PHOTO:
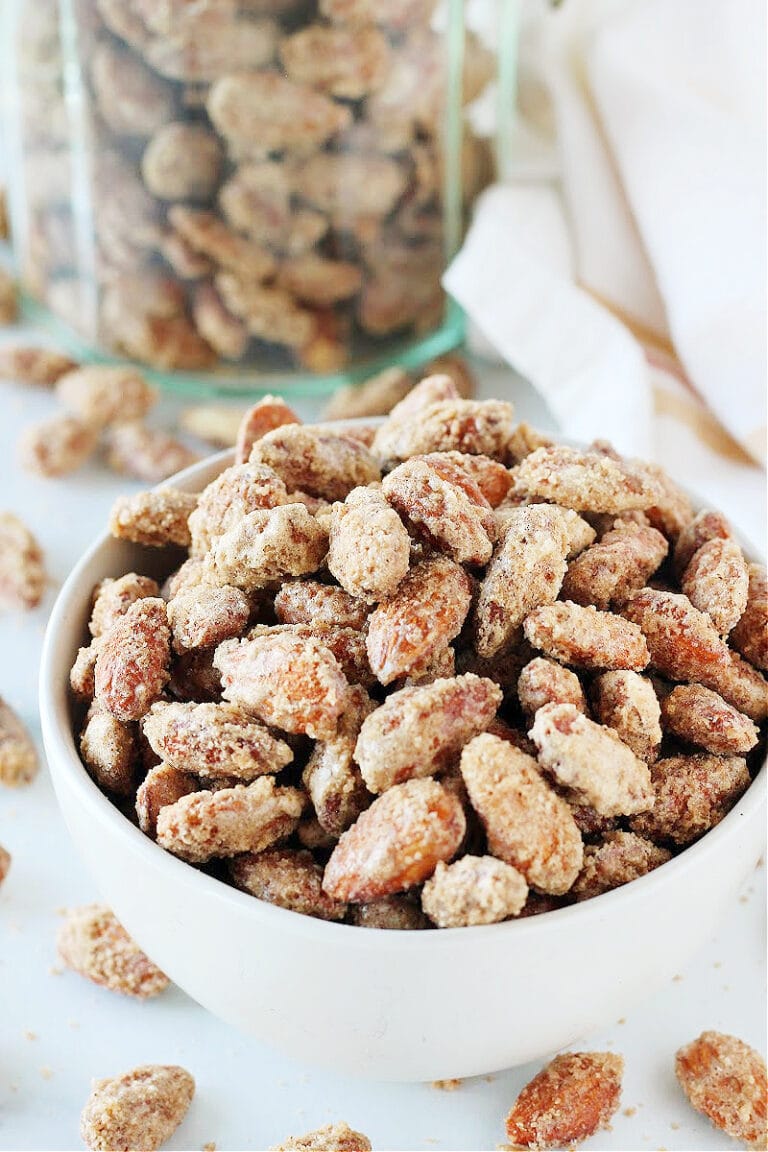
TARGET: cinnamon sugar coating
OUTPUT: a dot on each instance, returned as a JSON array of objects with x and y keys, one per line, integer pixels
[
  {"x": 109, "y": 751},
  {"x": 318, "y": 462},
  {"x": 163, "y": 785},
  {"x": 490, "y": 476},
  {"x": 140, "y": 1109},
  {"x": 331, "y": 1138},
  {"x": 716, "y": 581},
  {"x": 473, "y": 890},
  {"x": 310, "y": 602},
  {"x": 692, "y": 795},
  {"x": 524, "y": 440},
  {"x": 214, "y": 740},
  {"x": 155, "y": 518},
  {"x": 672, "y": 512},
  {"x": 289, "y": 878},
  {"x": 421, "y": 731},
  {"x": 423, "y": 616},
  {"x": 627, "y": 703},
  {"x": 397, "y": 913},
  {"x": 527, "y": 824},
  {"x": 266, "y": 415},
  {"x": 246, "y": 818},
  {"x": 591, "y": 761},
  {"x": 571, "y": 1099},
  {"x": 241, "y": 489},
  {"x": 725, "y": 1080},
  {"x": 445, "y": 507},
  {"x": 699, "y": 716},
  {"x": 607, "y": 573},
  {"x": 526, "y": 571},
  {"x": 290, "y": 681},
  {"x": 101, "y": 394},
  {"x": 369, "y": 548},
  {"x": 202, "y": 617},
  {"x": 113, "y": 598},
  {"x": 91, "y": 941},
  {"x": 132, "y": 662},
  {"x": 83, "y": 671},
  {"x": 396, "y": 843},
  {"x": 585, "y": 481},
  {"x": 585, "y": 637},
  {"x": 18, "y": 755},
  {"x": 346, "y": 644},
  {"x": 477, "y": 427},
  {"x": 332, "y": 775},
  {"x": 22, "y": 570},
  {"x": 619, "y": 858},
  {"x": 705, "y": 525},
  {"x": 266, "y": 546},
  {"x": 544, "y": 682},
  {"x": 750, "y": 636},
  {"x": 57, "y": 446}
]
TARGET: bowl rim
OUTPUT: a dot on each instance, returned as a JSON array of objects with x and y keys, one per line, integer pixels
[{"x": 61, "y": 751}]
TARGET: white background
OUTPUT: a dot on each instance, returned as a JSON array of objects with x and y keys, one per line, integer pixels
[{"x": 57, "y": 1031}]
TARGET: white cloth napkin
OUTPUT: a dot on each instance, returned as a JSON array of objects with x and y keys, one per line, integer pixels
[{"x": 646, "y": 202}]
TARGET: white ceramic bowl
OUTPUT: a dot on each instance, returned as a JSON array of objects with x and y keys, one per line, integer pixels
[{"x": 390, "y": 1005}]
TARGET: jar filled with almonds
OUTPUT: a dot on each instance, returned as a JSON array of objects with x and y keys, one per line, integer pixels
[{"x": 252, "y": 188}]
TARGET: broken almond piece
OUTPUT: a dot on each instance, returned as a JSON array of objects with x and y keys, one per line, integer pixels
[{"x": 91, "y": 941}]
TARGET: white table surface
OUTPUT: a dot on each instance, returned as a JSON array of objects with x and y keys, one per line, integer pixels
[{"x": 57, "y": 1031}]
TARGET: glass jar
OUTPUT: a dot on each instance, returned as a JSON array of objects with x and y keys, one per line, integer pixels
[{"x": 249, "y": 194}]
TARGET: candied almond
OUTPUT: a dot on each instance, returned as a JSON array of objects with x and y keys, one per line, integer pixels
[
  {"x": 672, "y": 512},
  {"x": 22, "y": 571},
  {"x": 571, "y": 1099},
  {"x": 397, "y": 913},
  {"x": 476, "y": 427},
  {"x": 91, "y": 941},
  {"x": 309, "y": 602},
  {"x": 396, "y": 843},
  {"x": 425, "y": 613},
  {"x": 527, "y": 824},
  {"x": 332, "y": 1138},
  {"x": 332, "y": 776},
  {"x": 40, "y": 366},
  {"x": 369, "y": 548},
  {"x": 347, "y": 63},
  {"x": 18, "y": 755},
  {"x": 290, "y": 681},
  {"x": 146, "y": 453},
  {"x": 132, "y": 662},
  {"x": 585, "y": 481},
  {"x": 444, "y": 505},
  {"x": 374, "y": 397},
  {"x": 692, "y": 795},
  {"x": 208, "y": 235},
  {"x": 473, "y": 890},
  {"x": 725, "y": 1080},
  {"x": 585, "y": 637},
  {"x": 153, "y": 518},
  {"x": 267, "y": 545},
  {"x": 591, "y": 761},
  {"x": 82, "y": 673},
  {"x": 716, "y": 581},
  {"x": 241, "y": 489},
  {"x": 162, "y": 785},
  {"x": 109, "y": 752},
  {"x": 194, "y": 678},
  {"x": 619, "y": 858},
  {"x": 140, "y": 1109},
  {"x": 750, "y": 636},
  {"x": 526, "y": 571},
  {"x": 699, "y": 716},
  {"x": 346, "y": 644},
  {"x": 57, "y": 446},
  {"x": 607, "y": 573},
  {"x": 626, "y": 702},
  {"x": 421, "y": 731},
  {"x": 319, "y": 281},
  {"x": 437, "y": 666},
  {"x": 315, "y": 461},
  {"x": 202, "y": 617},
  {"x": 216, "y": 424},
  {"x": 227, "y": 822},
  {"x": 289, "y": 878},
  {"x": 544, "y": 682},
  {"x": 214, "y": 740},
  {"x": 706, "y": 525},
  {"x": 269, "y": 413},
  {"x": 524, "y": 439},
  {"x": 100, "y": 394}
]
